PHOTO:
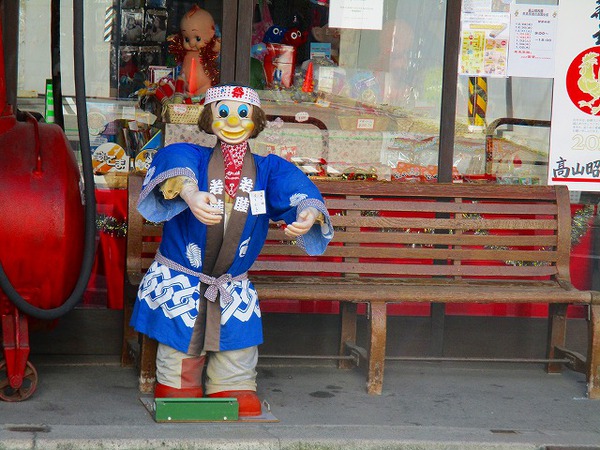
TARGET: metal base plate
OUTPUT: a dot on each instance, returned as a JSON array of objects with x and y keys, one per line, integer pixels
[{"x": 150, "y": 405}]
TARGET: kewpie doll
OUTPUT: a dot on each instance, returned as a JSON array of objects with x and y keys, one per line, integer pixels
[
  {"x": 196, "y": 299},
  {"x": 197, "y": 48}
]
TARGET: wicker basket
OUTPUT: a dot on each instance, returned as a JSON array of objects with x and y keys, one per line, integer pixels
[{"x": 182, "y": 113}]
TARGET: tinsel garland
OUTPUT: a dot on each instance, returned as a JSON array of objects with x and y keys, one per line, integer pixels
[
  {"x": 579, "y": 226},
  {"x": 580, "y": 223},
  {"x": 111, "y": 225}
]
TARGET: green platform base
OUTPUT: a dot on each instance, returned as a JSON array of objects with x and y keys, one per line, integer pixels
[{"x": 177, "y": 410}]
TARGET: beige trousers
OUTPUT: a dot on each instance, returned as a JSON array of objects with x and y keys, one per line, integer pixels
[{"x": 231, "y": 370}]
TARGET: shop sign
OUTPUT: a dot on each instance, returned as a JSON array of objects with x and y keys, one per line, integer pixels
[{"x": 574, "y": 158}]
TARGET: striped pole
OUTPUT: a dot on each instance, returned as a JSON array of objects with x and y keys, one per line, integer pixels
[
  {"x": 109, "y": 22},
  {"x": 477, "y": 102},
  {"x": 49, "y": 105}
]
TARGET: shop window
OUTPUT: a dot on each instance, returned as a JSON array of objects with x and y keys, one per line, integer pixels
[{"x": 376, "y": 86}]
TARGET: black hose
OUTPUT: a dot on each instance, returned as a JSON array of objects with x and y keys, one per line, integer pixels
[
  {"x": 59, "y": 118},
  {"x": 90, "y": 199}
]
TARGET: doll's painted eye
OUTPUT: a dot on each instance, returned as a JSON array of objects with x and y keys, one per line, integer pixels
[
  {"x": 223, "y": 111},
  {"x": 243, "y": 111},
  {"x": 187, "y": 39},
  {"x": 198, "y": 39}
]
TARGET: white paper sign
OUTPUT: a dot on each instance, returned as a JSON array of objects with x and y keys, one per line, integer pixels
[
  {"x": 574, "y": 157},
  {"x": 356, "y": 14},
  {"x": 532, "y": 40},
  {"x": 258, "y": 203}
]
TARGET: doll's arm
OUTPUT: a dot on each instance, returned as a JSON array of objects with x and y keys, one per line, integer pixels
[
  {"x": 201, "y": 203},
  {"x": 306, "y": 219}
]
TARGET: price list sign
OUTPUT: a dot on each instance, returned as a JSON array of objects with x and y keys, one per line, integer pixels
[{"x": 532, "y": 40}]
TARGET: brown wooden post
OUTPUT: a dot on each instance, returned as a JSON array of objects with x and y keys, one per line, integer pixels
[
  {"x": 557, "y": 333},
  {"x": 348, "y": 332},
  {"x": 377, "y": 332},
  {"x": 593, "y": 357}
]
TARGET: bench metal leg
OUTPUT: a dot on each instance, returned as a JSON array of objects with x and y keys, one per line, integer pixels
[
  {"x": 348, "y": 332},
  {"x": 594, "y": 353},
  {"x": 377, "y": 344},
  {"x": 557, "y": 334}
]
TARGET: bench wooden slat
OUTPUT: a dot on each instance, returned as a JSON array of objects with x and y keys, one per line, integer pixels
[
  {"x": 512, "y": 240},
  {"x": 150, "y": 247},
  {"x": 437, "y": 190},
  {"x": 530, "y": 285},
  {"x": 433, "y": 293},
  {"x": 417, "y": 253},
  {"x": 151, "y": 230},
  {"x": 444, "y": 224},
  {"x": 443, "y": 207},
  {"x": 405, "y": 269}
]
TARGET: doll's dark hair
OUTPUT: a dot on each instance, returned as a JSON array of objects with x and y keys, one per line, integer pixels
[{"x": 258, "y": 117}]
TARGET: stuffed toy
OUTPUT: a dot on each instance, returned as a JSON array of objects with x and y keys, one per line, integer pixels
[
  {"x": 294, "y": 37},
  {"x": 196, "y": 299},
  {"x": 196, "y": 48},
  {"x": 274, "y": 35}
]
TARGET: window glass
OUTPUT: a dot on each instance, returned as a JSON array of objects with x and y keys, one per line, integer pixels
[
  {"x": 346, "y": 100},
  {"x": 127, "y": 50}
]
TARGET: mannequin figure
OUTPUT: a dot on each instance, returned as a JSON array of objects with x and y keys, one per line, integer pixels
[{"x": 196, "y": 299}]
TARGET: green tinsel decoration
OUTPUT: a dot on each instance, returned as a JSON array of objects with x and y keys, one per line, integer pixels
[
  {"x": 580, "y": 223},
  {"x": 111, "y": 225}
]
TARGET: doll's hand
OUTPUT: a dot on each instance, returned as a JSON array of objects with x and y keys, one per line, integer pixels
[
  {"x": 304, "y": 222},
  {"x": 201, "y": 204}
]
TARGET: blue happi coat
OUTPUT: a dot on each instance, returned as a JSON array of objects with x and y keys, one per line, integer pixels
[{"x": 169, "y": 299}]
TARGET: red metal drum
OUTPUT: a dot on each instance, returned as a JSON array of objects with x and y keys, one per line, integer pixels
[{"x": 41, "y": 211}]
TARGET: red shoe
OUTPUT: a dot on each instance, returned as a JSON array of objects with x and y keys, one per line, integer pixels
[
  {"x": 164, "y": 391},
  {"x": 248, "y": 401}
]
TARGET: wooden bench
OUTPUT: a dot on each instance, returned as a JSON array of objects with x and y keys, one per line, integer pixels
[{"x": 405, "y": 242}]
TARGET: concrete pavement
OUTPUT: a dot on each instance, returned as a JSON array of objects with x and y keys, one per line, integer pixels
[{"x": 93, "y": 403}]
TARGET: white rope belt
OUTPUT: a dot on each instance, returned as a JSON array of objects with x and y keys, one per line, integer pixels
[{"x": 215, "y": 285}]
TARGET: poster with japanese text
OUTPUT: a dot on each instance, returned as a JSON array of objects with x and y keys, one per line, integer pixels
[
  {"x": 574, "y": 157},
  {"x": 532, "y": 40}
]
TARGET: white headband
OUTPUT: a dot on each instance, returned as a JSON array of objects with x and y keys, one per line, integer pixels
[{"x": 232, "y": 92}]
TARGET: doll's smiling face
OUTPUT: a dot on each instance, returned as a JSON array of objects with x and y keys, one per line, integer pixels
[{"x": 232, "y": 121}]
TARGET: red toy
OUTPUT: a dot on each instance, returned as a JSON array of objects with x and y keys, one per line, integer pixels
[{"x": 294, "y": 37}]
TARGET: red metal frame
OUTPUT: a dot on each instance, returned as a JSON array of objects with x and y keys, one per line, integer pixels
[{"x": 15, "y": 342}]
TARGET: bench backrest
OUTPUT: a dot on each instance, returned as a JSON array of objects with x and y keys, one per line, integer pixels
[{"x": 386, "y": 229}]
